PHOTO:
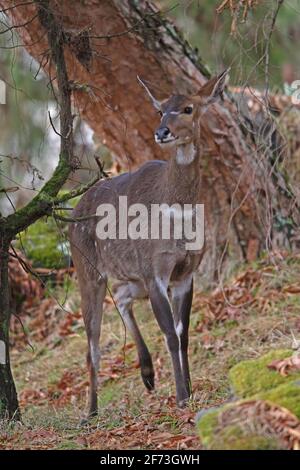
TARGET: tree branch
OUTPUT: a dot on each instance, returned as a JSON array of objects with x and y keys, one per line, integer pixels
[{"x": 43, "y": 203}]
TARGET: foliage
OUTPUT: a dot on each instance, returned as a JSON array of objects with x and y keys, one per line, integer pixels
[
  {"x": 46, "y": 243},
  {"x": 209, "y": 32}
]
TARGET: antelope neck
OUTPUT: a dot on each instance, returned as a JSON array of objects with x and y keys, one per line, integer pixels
[
  {"x": 183, "y": 175},
  {"x": 185, "y": 154}
]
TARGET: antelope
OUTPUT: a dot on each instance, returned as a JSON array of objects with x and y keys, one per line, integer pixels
[{"x": 159, "y": 269}]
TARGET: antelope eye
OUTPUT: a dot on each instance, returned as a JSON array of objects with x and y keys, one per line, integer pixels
[
  {"x": 188, "y": 110},
  {"x": 160, "y": 113}
]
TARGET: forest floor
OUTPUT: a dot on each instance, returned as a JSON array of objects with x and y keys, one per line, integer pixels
[{"x": 255, "y": 311}]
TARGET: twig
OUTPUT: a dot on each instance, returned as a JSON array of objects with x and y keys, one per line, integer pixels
[
  {"x": 16, "y": 6},
  {"x": 10, "y": 28},
  {"x": 129, "y": 30},
  {"x": 73, "y": 219},
  {"x": 12, "y": 189},
  {"x": 267, "y": 48},
  {"x": 76, "y": 192}
]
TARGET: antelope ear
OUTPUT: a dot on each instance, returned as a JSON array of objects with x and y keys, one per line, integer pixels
[
  {"x": 214, "y": 88},
  {"x": 155, "y": 102}
]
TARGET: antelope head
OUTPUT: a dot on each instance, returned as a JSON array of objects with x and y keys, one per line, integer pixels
[{"x": 180, "y": 113}]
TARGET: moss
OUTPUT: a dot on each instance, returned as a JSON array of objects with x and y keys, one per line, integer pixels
[
  {"x": 252, "y": 380},
  {"x": 45, "y": 242},
  {"x": 44, "y": 245},
  {"x": 207, "y": 424},
  {"x": 252, "y": 377},
  {"x": 233, "y": 438},
  {"x": 286, "y": 395}
]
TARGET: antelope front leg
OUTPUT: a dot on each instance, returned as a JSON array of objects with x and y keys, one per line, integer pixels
[
  {"x": 163, "y": 313},
  {"x": 182, "y": 296}
]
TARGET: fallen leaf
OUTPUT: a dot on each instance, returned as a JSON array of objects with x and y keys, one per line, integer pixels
[{"x": 285, "y": 366}]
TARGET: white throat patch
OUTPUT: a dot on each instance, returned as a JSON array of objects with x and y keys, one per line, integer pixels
[{"x": 185, "y": 154}]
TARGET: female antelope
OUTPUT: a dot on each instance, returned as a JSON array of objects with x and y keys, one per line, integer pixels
[{"x": 155, "y": 267}]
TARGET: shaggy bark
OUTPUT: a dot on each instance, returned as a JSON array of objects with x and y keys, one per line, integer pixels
[{"x": 109, "y": 44}]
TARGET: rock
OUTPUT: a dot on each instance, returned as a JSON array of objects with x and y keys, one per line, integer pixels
[
  {"x": 252, "y": 377},
  {"x": 267, "y": 414}
]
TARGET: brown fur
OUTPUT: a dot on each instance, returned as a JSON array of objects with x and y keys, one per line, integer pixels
[{"x": 145, "y": 267}]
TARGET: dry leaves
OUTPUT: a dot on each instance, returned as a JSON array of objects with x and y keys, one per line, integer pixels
[
  {"x": 251, "y": 288},
  {"x": 151, "y": 430},
  {"x": 264, "y": 418},
  {"x": 286, "y": 366},
  {"x": 24, "y": 288},
  {"x": 39, "y": 315},
  {"x": 229, "y": 302},
  {"x": 239, "y": 10}
]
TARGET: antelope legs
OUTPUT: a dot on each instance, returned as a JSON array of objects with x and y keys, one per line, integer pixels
[
  {"x": 182, "y": 296},
  {"x": 124, "y": 296},
  {"x": 92, "y": 310},
  {"x": 163, "y": 313}
]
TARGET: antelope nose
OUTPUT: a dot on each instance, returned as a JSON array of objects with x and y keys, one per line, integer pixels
[{"x": 162, "y": 133}]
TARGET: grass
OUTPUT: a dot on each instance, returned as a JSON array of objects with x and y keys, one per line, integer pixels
[{"x": 52, "y": 381}]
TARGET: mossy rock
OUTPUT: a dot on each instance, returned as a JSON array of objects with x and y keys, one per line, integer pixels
[
  {"x": 231, "y": 437},
  {"x": 251, "y": 380},
  {"x": 207, "y": 422},
  {"x": 286, "y": 395},
  {"x": 252, "y": 377}
]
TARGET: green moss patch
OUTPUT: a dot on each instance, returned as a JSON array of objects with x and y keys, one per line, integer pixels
[
  {"x": 207, "y": 425},
  {"x": 286, "y": 395},
  {"x": 252, "y": 377},
  {"x": 233, "y": 437},
  {"x": 251, "y": 380},
  {"x": 45, "y": 244}
]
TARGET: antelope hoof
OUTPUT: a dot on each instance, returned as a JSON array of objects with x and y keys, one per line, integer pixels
[
  {"x": 183, "y": 403},
  {"x": 148, "y": 378},
  {"x": 83, "y": 422},
  {"x": 86, "y": 419}
]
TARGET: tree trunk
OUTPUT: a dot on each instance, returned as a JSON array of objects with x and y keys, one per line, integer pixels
[
  {"x": 44, "y": 203},
  {"x": 9, "y": 407},
  {"x": 110, "y": 42}
]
